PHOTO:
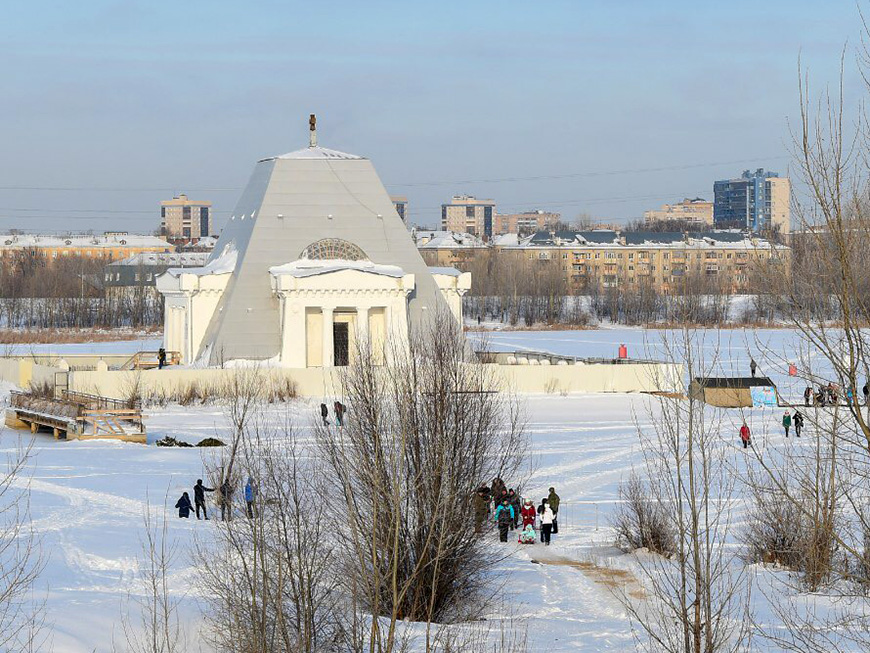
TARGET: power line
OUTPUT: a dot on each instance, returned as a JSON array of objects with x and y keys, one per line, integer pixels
[{"x": 573, "y": 175}]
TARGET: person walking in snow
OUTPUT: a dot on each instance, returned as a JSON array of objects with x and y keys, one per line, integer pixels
[
  {"x": 798, "y": 423},
  {"x": 199, "y": 491},
  {"x": 227, "y": 499},
  {"x": 808, "y": 395},
  {"x": 504, "y": 517},
  {"x": 161, "y": 358},
  {"x": 514, "y": 498},
  {"x": 528, "y": 513},
  {"x": 338, "y": 409},
  {"x": 547, "y": 519},
  {"x": 786, "y": 422},
  {"x": 184, "y": 507},
  {"x": 324, "y": 413},
  {"x": 250, "y": 496},
  {"x": 553, "y": 502},
  {"x": 752, "y": 366},
  {"x": 866, "y": 391},
  {"x": 480, "y": 503},
  {"x": 745, "y": 435},
  {"x": 541, "y": 513},
  {"x": 498, "y": 488}
]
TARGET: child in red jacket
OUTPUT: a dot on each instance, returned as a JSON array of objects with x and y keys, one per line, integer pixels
[
  {"x": 745, "y": 435},
  {"x": 528, "y": 513}
]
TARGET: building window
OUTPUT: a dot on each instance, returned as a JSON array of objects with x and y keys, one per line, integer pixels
[
  {"x": 203, "y": 221},
  {"x": 136, "y": 277},
  {"x": 469, "y": 211},
  {"x": 163, "y": 212},
  {"x": 185, "y": 232},
  {"x": 332, "y": 249},
  {"x": 149, "y": 276},
  {"x": 185, "y": 212}
]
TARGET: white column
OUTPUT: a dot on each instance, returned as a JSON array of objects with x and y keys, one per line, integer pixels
[
  {"x": 362, "y": 326},
  {"x": 328, "y": 347}
]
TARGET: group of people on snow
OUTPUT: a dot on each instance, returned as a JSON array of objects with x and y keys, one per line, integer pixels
[
  {"x": 511, "y": 512},
  {"x": 338, "y": 409},
  {"x": 225, "y": 491}
]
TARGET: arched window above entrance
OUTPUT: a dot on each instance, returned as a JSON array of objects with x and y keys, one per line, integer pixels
[{"x": 333, "y": 248}]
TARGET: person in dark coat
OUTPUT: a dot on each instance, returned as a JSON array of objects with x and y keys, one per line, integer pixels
[
  {"x": 480, "y": 504},
  {"x": 227, "y": 500},
  {"x": 514, "y": 498},
  {"x": 752, "y": 367},
  {"x": 161, "y": 358},
  {"x": 324, "y": 413},
  {"x": 798, "y": 422},
  {"x": 553, "y": 502},
  {"x": 786, "y": 422},
  {"x": 866, "y": 391},
  {"x": 338, "y": 409},
  {"x": 184, "y": 507},
  {"x": 199, "y": 491},
  {"x": 498, "y": 487},
  {"x": 808, "y": 395},
  {"x": 504, "y": 517},
  {"x": 250, "y": 496}
]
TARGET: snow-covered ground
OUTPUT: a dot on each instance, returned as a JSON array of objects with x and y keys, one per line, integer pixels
[{"x": 88, "y": 499}]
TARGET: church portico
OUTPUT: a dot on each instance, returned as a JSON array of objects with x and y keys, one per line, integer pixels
[{"x": 328, "y": 308}]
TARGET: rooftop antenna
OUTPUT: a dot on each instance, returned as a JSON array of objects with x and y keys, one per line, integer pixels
[{"x": 312, "y": 126}]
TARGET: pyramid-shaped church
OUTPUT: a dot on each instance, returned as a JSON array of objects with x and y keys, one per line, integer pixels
[{"x": 313, "y": 259}]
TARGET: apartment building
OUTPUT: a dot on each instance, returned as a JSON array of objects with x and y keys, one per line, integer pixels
[
  {"x": 448, "y": 248},
  {"x": 526, "y": 223},
  {"x": 466, "y": 213},
  {"x": 400, "y": 202},
  {"x": 667, "y": 262},
  {"x": 759, "y": 201},
  {"x": 182, "y": 218},
  {"x": 111, "y": 246},
  {"x": 695, "y": 211}
]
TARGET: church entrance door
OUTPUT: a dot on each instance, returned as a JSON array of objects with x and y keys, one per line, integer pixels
[{"x": 340, "y": 343}]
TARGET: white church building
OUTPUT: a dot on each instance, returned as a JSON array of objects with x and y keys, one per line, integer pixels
[{"x": 313, "y": 260}]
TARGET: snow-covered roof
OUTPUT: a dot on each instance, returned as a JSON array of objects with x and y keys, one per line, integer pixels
[
  {"x": 450, "y": 272},
  {"x": 206, "y": 242},
  {"x": 309, "y": 268},
  {"x": 448, "y": 239},
  {"x": 223, "y": 264},
  {"x": 316, "y": 153},
  {"x": 82, "y": 240},
  {"x": 184, "y": 259}
]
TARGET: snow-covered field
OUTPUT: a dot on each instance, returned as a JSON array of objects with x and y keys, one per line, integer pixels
[{"x": 88, "y": 499}]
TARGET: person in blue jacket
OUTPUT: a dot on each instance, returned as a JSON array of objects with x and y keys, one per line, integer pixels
[
  {"x": 504, "y": 517},
  {"x": 250, "y": 496},
  {"x": 184, "y": 506}
]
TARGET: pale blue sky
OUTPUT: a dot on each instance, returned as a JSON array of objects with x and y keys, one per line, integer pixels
[{"x": 151, "y": 97}]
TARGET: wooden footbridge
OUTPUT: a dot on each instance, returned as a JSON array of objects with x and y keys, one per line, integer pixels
[{"x": 77, "y": 416}]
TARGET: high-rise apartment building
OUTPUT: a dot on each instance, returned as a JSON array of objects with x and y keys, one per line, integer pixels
[
  {"x": 758, "y": 201},
  {"x": 401, "y": 204},
  {"x": 695, "y": 211},
  {"x": 468, "y": 214},
  {"x": 184, "y": 218}
]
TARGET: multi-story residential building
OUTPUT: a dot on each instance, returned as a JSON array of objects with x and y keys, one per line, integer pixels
[
  {"x": 696, "y": 211},
  {"x": 448, "y": 248},
  {"x": 666, "y": 262},
  {"x": 182, "y": 218},
  {"x": 759, "y": 201},
  {"x": 111, "y": 246},
  {"x": 525, "y": 223},
  {"x": 401, "y": 204},
  {"x": 468, "y": 214},
  {"x": 141, "y": 271}
]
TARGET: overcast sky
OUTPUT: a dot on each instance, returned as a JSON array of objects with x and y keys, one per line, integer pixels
[{"x": 109, "y": 107}]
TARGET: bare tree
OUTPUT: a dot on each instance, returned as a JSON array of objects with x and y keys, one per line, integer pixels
[
  {"x": 422, "y": 433},
  {"x": 159, "y": 629},
  {"x": 698, "y": 590},
  {"x": 21, "y": 557}
]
